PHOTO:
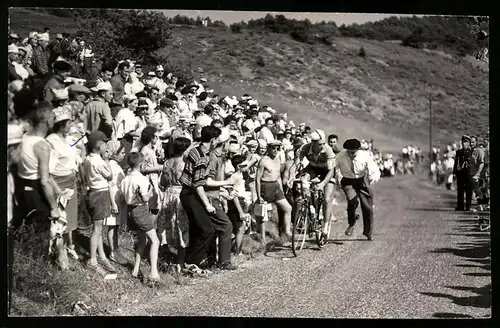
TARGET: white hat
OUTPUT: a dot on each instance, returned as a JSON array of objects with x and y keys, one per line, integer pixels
[
  {"x": 302, "y": 124},
  {"x": 43, "y": 37},
  {"x": 262, "y": 143},
  {"x": 318, "y": 135},
  {"x": 13, "y": 49},
  {"x": 224, "y": 136},
  {"x": 60, "y": 94},
  {"x": 274, "y": 143},
  {"x": 159, "y": 68},
  {"x": 102, "y": 86},
  {"x": 15, "y": 134},
  {"x": 203, "y": 79},
  {"x": 33, "y": 35},
  {"x": 151, "y": 73},
  {"x": 61, "y": 114}
]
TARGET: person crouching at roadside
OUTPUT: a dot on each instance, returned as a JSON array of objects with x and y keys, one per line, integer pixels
[{"x": 137, "y": 191}]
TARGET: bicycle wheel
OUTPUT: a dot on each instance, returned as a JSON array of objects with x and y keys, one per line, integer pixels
[
  {"x": 300, "y": 227},
  {"x": 319, "y": 219}
]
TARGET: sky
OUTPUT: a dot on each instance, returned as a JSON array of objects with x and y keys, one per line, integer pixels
[{"x": 230, "y": 17}]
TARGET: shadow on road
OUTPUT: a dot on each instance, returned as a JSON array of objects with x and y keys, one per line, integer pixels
[
  {"x": 475, "y": 249},
  {"x": 481, "y": 300},
  {"x": 432, "y": 209},
  {"x": 450, "y": 315}
]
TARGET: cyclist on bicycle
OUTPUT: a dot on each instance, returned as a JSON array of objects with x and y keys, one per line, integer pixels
[{"x": 322, "y": 166}]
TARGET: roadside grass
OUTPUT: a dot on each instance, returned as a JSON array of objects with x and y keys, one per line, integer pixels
[{"x": 40, "y": 289}]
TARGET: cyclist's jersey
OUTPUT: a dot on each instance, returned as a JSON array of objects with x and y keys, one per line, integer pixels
[{"x": 325, "y": 160}]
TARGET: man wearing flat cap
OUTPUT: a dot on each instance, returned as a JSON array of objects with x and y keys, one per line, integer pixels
[
  {"x": 358, "y": 171},
  {"x": 461, "y": 171}
]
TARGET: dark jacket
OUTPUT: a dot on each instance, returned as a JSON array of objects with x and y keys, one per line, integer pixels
[{"x": 462, "y": 161}]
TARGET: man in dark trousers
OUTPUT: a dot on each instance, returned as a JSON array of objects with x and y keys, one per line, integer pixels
[
  {"x": 195, "y": 201},
  {"x": 461, "y": 172},
  {"x": 358, "y": 171}
]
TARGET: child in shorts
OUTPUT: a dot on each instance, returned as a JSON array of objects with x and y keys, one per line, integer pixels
[
  {"x": 118, "y": 215},
  {"x": 137, "y": 191},
  {"x": 97, "y": 174},
  {"x": 238, "y": 206}
]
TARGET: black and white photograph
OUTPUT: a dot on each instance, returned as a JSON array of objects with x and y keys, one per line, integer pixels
[{"x": 247, "y": 164}]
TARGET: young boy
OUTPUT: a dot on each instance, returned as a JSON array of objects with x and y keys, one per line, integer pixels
[
  {"x": 97, "y": 174},
  {"x": 137, "y": 191},
  {"x": 238, "y": 206},
  {"x": 118, "y": 207}
]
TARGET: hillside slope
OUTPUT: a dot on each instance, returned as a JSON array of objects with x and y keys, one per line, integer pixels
[{"x": 384, "y": 94}]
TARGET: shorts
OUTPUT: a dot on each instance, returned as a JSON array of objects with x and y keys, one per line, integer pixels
[
  {"x": 317, "y": 172},
  {"x": 140, "y": 218},
  {"x": 271, "y": 191},
  {"x": 98, "y": 204}
]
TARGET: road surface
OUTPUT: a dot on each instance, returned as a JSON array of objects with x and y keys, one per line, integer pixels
[{"x": 426, "y": 261}]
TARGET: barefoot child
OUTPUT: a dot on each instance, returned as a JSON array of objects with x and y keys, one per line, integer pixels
[
  {"x": 118, "y": 207},
  {"x": 97, "y": 174},
  {"x": 137, "y": 191}
]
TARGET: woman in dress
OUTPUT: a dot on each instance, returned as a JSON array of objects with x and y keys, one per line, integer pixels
[
  {"x": 65, "y": 170},
  {"x": 172, "y": 220}
]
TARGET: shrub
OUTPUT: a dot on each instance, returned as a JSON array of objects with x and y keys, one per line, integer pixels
[
  {"x": 119, "y": 34},
  {"x": 260, "y": 61},
  {"x": 235, "y": 28},
  {"x": 362, "y": 52}
]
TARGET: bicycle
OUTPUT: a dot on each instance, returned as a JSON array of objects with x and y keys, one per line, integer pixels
[{"x": 308, "y": 218}]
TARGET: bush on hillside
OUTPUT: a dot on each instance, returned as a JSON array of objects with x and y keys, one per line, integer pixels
[
  {"x": 119, "y": 34},
  {"x": 235, "y": 28},
  {"x": 362, "y": 52}
]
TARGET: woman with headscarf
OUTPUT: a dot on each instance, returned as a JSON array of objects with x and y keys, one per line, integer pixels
[
  {"x": 65, "y": 170},
  {"x": 172, "y": 220}
]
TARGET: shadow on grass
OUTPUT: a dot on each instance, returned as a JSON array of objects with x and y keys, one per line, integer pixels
[{"x": 433, "y": 209}]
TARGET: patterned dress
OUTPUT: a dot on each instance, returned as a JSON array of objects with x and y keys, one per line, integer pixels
[{"x": 172, "y": 220}]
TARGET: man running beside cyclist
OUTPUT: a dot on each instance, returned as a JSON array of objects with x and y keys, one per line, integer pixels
[{"x": 321, "y": 165}]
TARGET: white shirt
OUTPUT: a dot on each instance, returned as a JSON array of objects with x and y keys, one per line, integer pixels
[
  {"x": 266, "y": 134},
  {"x": 204, "y": 120},
  {"x": 130, "y": 184},
  {"x": 66, "y": 156},
  {"x": 95, "y": 168},
  {"x": 125, "y": 122},
  {"x": 360, "y": 166},
  {"x": 133, "y": 88}
]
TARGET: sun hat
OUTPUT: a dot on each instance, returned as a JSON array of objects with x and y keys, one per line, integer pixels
[
  {"x": 223, "y": 137},
  {"x": 159, "y": 68},
  {"x": 59, "y": 36},
  {"x": 43, "y": 37},
  {"x": 274, "y": 143},
  {"x": 60, "y": 94},
  {"x": 252, "y": 143},
  {"x": 15, "y": 134},
  {"x": 13, "y": 49},
  {"x": 61, "y": 114},
  {"x": 102, "y": 86},
  {"x": 318, "y": 135}
]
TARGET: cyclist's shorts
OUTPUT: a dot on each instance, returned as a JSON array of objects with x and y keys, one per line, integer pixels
[{"x": 317, "y": 172}]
